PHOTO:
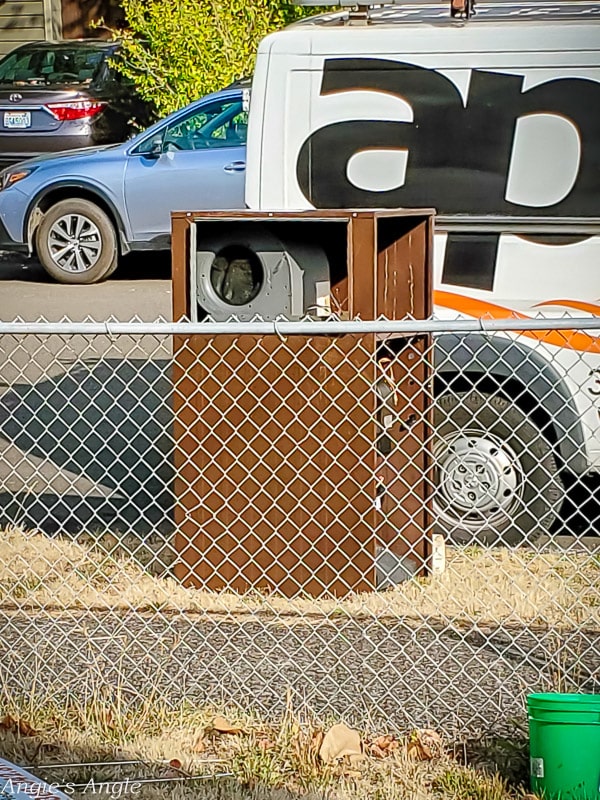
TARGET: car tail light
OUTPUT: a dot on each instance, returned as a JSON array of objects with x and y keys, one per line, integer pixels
[{"x": 78, "y": 109}]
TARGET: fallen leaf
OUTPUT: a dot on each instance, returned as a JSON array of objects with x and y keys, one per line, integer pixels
[
  {"x": 387, "y": 742},
  {"x": 25, "y": 729},
  {"x": 382, "y": 746},
  {"x": 425, "y": 745},
  {"x": 316, "y": 741},
  {"x": 266, "y": 744},
  {"x": 378, "y": 752},
  {"x": 18, "y": 726},
  {"x": 221, "y": 725},
  {"x": 199, "y": 745},
  {"x": 340, "y": 741}
]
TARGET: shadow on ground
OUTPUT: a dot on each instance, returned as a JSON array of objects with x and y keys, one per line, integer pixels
[
  {"x": 91, "y": 448},
  {"x": 91, "y": 771},
  {"x": 146, "y": 266}
]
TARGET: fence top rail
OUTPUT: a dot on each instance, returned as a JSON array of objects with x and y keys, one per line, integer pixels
[{"x": 302, "y": 327}]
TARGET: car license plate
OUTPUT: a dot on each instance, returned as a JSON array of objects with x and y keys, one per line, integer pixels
[{"x": 17, "y": 119}]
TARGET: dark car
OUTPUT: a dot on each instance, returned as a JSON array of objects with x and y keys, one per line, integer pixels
[{"x": 62, "y": 96}]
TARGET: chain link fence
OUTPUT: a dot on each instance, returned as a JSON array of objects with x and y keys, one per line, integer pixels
[{"x": 394, "y": 523}]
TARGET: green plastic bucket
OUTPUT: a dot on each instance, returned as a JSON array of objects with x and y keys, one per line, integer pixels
[{"x": 564, "y": 745}]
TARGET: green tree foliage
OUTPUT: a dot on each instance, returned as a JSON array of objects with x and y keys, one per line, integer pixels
[{"x": 178, "y": 50}]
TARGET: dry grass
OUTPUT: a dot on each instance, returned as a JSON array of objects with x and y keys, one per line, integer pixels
[
  {"x": 550, "y": 588},
  {"x": 266, "y": 760}
]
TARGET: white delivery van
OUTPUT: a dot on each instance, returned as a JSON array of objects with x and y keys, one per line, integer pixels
[{"x": 495, "y": 122}]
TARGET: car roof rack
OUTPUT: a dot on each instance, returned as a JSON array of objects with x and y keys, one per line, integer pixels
[{"x": 360, "y": 11}]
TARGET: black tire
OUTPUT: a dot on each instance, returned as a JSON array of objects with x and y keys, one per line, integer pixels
[
  {"x": 93, "y": 252},
  {"x": 111, "y": 270},
  {"x": 496, "y": 475}
]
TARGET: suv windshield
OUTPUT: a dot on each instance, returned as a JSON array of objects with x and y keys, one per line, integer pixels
[{"x": 51, "y": 66}]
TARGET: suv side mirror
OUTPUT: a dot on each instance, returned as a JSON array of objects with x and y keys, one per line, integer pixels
[{"x": 156, "y": 149}]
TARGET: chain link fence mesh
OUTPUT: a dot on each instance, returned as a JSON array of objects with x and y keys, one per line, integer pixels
[{"x": 392, "y": 529}]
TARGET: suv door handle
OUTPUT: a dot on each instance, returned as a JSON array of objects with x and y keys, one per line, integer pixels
[{"x": 235, "y": 166}]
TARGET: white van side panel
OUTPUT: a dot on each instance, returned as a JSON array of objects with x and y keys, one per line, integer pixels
[
  {"x": 272, "y": 181},
  {"x": 519, "y": 274}
]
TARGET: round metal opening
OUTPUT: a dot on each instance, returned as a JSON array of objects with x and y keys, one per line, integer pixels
[{"x": 236, "y": 275}]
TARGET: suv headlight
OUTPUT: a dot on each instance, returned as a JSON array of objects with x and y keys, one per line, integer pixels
[{"x": 12, "y": 175}]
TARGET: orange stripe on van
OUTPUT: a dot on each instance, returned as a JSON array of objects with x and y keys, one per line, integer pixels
[
  {"x": 571, "y": 339},
  {"x": 579, "y": 305}
]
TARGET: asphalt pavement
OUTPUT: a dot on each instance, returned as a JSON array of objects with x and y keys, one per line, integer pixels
[
  {"x": 54, "y": 472},
  {"x": 132, "y": 373},
  {"x": 367, "y": 671},
  {"x": 141, "y": 287}
]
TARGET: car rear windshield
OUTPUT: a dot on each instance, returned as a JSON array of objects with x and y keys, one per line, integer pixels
[{"x": 51, "y": 67}]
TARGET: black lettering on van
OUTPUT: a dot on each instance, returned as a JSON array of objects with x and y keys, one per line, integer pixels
[{"x": 458, "y": 156}]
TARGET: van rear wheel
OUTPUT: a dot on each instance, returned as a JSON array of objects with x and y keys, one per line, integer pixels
[
  {"x": 76, "y": 242},
  {"x": 496, "y": 475}
]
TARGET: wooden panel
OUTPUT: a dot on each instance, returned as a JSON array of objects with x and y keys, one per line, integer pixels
[
  {"x": 24, "y": 23},
  {"x": 21, "y": 22},
  {"x": 361, "y": 272},
  {"x": 404, "y": 276},
  {"x": 28, "y": 9},
  {"x": 180, "y": 260},
  {"x": 404, "y": 268},
  {"x": 406, "y": 470},
  {"x": 276, "y": 440},
  {"x": 13, "y": 35},
  {"x": 280, "y": 465}
]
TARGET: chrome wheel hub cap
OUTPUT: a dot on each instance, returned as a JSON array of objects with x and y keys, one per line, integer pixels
[
  {"x": 479, "y": 480},
  {"x": 74, "y": 243}
]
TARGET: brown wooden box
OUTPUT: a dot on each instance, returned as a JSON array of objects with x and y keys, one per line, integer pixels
[{"x": 276, "y": 456}]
